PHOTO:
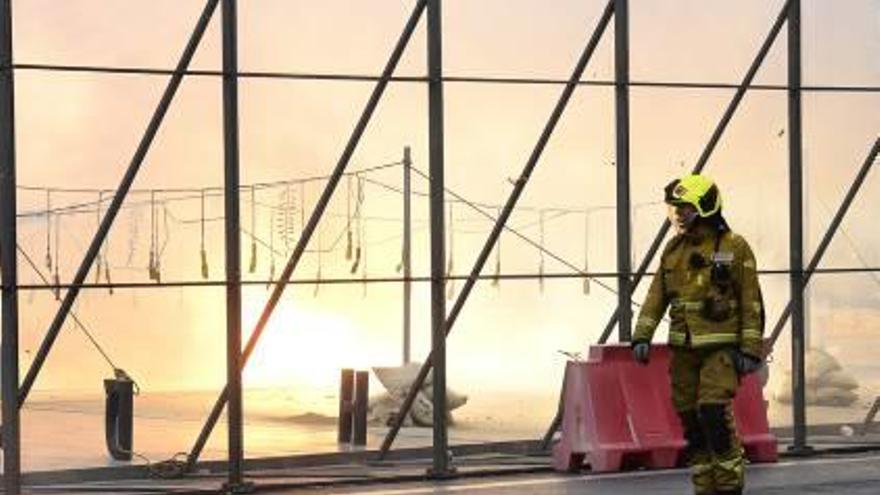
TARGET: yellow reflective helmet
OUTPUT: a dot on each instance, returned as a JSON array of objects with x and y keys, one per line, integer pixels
[{"x": 696, "y": 190}]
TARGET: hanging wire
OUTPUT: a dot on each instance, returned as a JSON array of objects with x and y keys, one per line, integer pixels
[
  {"x": 586, "y": 282},
  {"x": 106, "y": 257},
  {"x": 541, "y": 251},
  {"x": 160, "y": 247},
  {"x": 362, "y": 245},
  {"x": 358, "y": 226},
  {"x": 217, "y": 191},
  {"x": 320, "y": 262},
  {"x": 49, "y": 230},
  {"x": 363, "y": 224},
  {"x": 151, "y": 263},
  {"x": 154, "y": 239},
  {"x": 450, "y": 282},
  {"x": 272, "y": 218},
  {"x": 288, "y": 229},
  {"x": 253, "y": 264},
  {"x": 57, "y": 274},
  {"x": 98, "y": 258},
  {"x": 134, "y": 233},
  {"x": 302, "y": 206},
  {"x": 496, "y": 277},
  {"x": 204, "y": 254},
  {"x": 107, "y": 276},
  {"x": 348, "y": 234}
]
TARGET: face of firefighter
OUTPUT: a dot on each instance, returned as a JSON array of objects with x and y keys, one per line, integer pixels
[{"x": 682, "y": 217}]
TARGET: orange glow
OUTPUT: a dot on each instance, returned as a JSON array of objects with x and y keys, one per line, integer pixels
[{"x": 301, "y": 347}]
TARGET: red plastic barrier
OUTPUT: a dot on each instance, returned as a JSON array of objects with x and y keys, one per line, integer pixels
[{"x": 619, "y": 414}]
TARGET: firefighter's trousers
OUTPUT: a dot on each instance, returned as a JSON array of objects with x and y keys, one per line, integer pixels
[{"x": 704, "y": 382}]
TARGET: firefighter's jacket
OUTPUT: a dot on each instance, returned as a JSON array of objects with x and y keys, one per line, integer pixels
[{"x": 705, "y": 309}]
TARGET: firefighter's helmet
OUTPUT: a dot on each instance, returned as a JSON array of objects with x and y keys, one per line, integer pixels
[{"x": 696, "y": 190}]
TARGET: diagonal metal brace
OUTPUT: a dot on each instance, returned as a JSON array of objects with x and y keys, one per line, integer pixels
[{"x": 118, "y": 198}]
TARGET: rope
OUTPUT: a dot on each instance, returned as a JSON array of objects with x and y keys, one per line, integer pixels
[{"x": 174, "y": 467}]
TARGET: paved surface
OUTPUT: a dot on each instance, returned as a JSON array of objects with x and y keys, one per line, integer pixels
[
  {"x": 851, "y": 475},
  {"x": 854, "y": 474}
]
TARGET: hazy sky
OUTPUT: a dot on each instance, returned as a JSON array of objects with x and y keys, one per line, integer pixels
[{"x": 80, "y": 130}]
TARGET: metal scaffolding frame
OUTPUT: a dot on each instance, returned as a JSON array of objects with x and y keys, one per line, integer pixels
[{"x": 14, "y": 395}]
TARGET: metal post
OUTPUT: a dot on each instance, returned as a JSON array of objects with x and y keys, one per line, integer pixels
[
  {"x": 506, "y": 211},
  {"x": 118, "y": 198},
  {"x": 346, "y": 396},
  {"x": 440, "y": 467},
  {"x": 359, "y": 405},
  {"x": 829, "y": 234},
  {"x": 621, "y": 91},
  {"x": 704, "y": 157},
  {"x": 312, "y": 223},
  {"x": 8, "y": 261},
  {"x": 119, "y": 417},
  {"x": 407, "y": 255},
  {"x": 796, "y": 225},
  {"x": 233, "y": 244}
]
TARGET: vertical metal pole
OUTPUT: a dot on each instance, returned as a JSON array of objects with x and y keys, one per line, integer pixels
[
  {"x": 621, "y": 90},
  {"x": 440, "y": 466},
  {"x": 233, "y": 242},
  {"x": 359, "y": 408},
  {"x": 503, "y": 216},
  {"x": 796, "y": 247},
  {"x": 407, "y": 258},
  {"x": 346, "y": 396},
  {"x": 8, "y": 261}
]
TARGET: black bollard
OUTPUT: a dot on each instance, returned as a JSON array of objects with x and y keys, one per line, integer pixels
[
  {"x": 346, "y": 392},
  {"x": 119, "y": 416},
  {"x": 361, "y": 399}
]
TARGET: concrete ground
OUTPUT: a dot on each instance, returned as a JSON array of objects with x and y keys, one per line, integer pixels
[
  {"x": 851, "y": 475},
  {"x": 854, "y": 473}
]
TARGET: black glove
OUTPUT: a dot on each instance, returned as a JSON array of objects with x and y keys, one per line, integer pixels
[
  {"x": 746, "y": 363},
  {"x": 641, "y": 352}
]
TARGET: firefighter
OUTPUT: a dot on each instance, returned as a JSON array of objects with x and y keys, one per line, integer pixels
[{"x": 707, "y": 278}]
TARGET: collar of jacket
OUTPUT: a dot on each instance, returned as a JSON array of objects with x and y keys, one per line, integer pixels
[{"x": 698, "y": 233}]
